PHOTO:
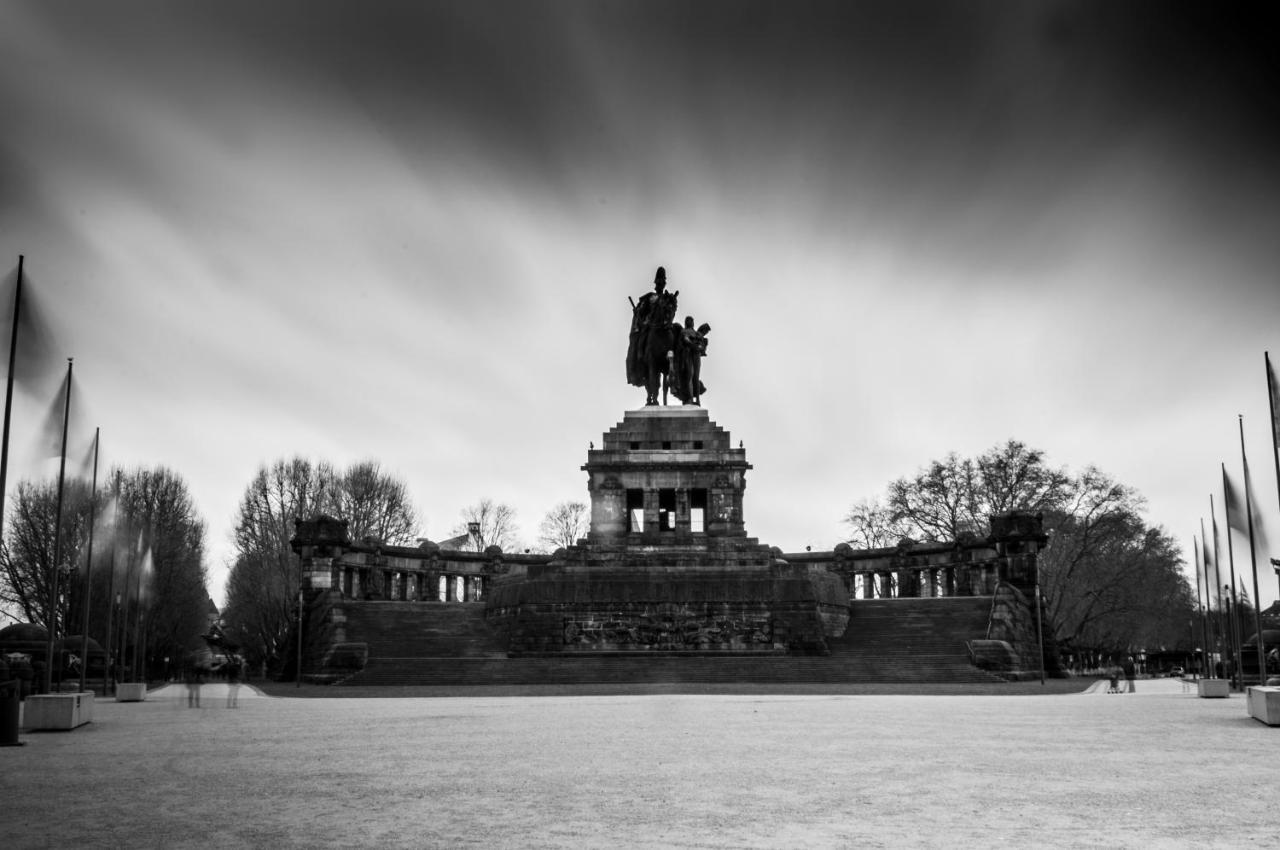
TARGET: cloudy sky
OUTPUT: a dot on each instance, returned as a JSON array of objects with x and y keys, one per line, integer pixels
[{"x": 407, "y": 231}]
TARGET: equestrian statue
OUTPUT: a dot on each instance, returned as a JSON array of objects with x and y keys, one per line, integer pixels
[{"x": 660, "y": 351}]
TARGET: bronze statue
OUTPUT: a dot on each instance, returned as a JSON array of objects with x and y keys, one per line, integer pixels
[
  {"x": 652, "y": 345},
  {"x": 691, "y": 347}
]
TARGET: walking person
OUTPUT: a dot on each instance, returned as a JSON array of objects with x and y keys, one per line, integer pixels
[
  {"x": 195, "y": 678},
  {"x": 233, "y": 682},
  {"x": 1129, "y": 672}
]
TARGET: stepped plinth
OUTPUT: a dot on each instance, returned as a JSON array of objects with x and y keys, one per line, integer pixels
[{"x": 667, "y": 566}]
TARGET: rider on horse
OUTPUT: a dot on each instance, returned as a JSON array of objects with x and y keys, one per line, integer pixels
[{"x": 656, "y": 311}]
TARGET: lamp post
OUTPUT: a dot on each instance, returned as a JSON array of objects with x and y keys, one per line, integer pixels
[{"x": 299, "y": 677}]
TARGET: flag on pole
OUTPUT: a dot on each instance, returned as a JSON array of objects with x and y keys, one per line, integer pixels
[
  {"x": 144, "y": 578},
  {"x": 1213, "y": 582},
  {"x": 35, "y": 358},
  {"x": 1238, "y": 512},
  {"x": 51, "y": 425}
]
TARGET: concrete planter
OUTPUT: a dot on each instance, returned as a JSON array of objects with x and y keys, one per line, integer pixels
[
  {"x": 58, "y": 711},
  {"x": 131, "y": 691},
  {"x": 1264, "y": 704},
  {"x": 1214, "y": 688}
]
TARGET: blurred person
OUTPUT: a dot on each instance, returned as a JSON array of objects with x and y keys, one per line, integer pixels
[{"x": 233, "y": 682}]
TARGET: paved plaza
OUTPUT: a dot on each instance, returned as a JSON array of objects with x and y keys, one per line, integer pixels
[{"x": 1160, "y": 768}]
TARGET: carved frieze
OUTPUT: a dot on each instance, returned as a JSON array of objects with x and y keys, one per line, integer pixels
[{"x": 667, "y": 632}]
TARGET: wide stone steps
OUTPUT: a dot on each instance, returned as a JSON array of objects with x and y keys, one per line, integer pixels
[
  {"x": 660, "y": 670},
  {"x": 888, "y": 640},
  {"x": 416, "y": 629}
]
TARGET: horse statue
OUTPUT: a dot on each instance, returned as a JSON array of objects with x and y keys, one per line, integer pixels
[{"x": 657, "y": 347}]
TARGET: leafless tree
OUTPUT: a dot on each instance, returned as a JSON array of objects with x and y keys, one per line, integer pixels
[
  {"x": 564, "y": 525},
  {"x": 871, "y": 525},
  {"x": 265, "y": 576},
  {"x": 374, "y": 504},
  {"x": 156, "y": 511},
  {"x": 26, "y": 558},
  {"x": 1108, "y": 579},
  {"x": 494, "y": 523}
]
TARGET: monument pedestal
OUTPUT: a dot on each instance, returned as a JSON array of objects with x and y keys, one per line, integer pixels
[
  {"x": 667, "y": 567},
  {"x": 770, "y": 609}
]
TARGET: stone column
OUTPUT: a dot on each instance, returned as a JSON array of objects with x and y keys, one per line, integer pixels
[
  {"x": 608, "y": 508},
  {"x": 682, "y": 512},
  {"x": 651, "y": 511}
]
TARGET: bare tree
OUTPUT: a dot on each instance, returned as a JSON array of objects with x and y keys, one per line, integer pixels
[
  {"x": 266, "y": 575},
  {"x": 156, "y": 509},
  {"x": 374, "y": 504},
  {"x": 263, "y": 585},
  {"x": 564, "y": 525},
  {"x": 26, "y": 558},
  {"x": 489, "y": 524},
  {"x": 871, "y": 525},
  {"x": 955, "y": 495},
  {"x": 1109, "y": 580}
]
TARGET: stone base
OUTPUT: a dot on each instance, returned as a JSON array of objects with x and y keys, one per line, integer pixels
[
  {"x": 131, "y": 691},
  {"x": 1264, "y": 704},
  {"x": 57, "y": 711},
  {"x": 746, "y": 610},
  {"x": 1214, "y": 688}
]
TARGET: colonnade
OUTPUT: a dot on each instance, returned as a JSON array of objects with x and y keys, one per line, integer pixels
[
  {"x": 409, "y": 585},
  {"x": 925, "y": 582}
]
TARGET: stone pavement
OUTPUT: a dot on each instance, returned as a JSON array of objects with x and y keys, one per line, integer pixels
[{"x": 1161, "y": 768}]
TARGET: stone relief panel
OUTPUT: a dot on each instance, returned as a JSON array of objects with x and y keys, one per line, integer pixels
[{"x": 667, "y": 631}]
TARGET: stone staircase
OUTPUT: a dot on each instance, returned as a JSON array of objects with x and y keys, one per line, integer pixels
[
  {"x": 888, "y": 640},
  {"x": 422, "y": 629},
  {"x": 914, "y": 640}
]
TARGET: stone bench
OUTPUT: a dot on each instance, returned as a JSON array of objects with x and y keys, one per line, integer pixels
[
  {"x": 1264, "y": 704},
  {"x": 1212, "y": 688},
  {"x": 57, "y": 711},
  {"x": 131, "y": 691}
]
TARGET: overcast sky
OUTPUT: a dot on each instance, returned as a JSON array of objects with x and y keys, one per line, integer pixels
[{"x": 408, "y": 231}]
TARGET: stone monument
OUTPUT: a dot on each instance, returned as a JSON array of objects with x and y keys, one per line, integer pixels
[{"x": 668, "y": 571}]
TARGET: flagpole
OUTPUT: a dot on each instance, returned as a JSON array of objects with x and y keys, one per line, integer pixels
[
  {"x": 1275, "y": 440},
  {"x": 57, "y": 539},
  {"x": 1253, "y": 558},
  {"x": 8, "y": 394},
  {"x": 1232, "y": 599},
  {"x": 137, "y": 626},
  {"x": 111, "y": 586},
  {"x": 1197, "y": 546},
  {"x": 88, "y": 566},
  {"x": 1208, "y": 599},
  {"x": 124, "y": 610},
  {"x": 1217, "y": 580}
]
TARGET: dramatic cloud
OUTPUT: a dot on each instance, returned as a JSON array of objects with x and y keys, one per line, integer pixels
[{"x": 408, "y": 231}]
